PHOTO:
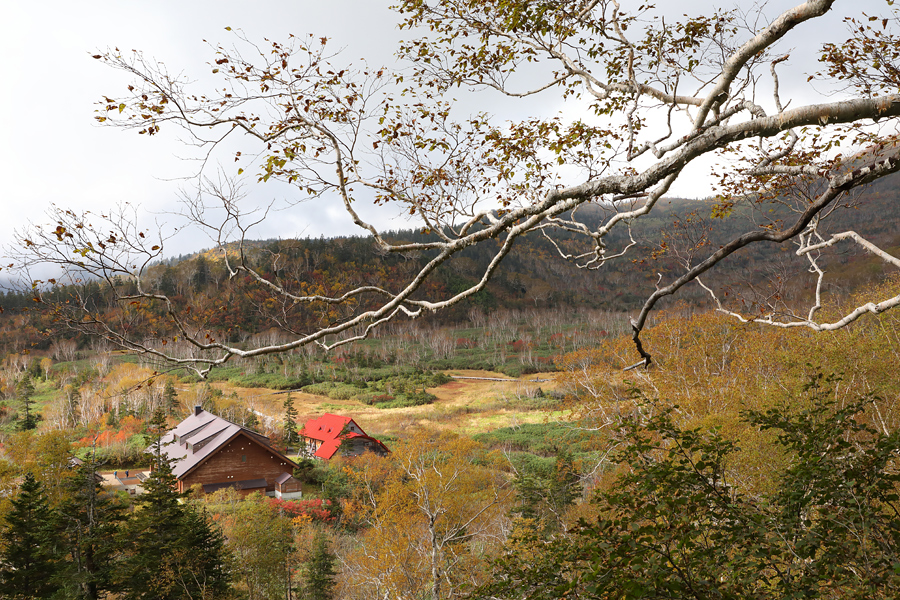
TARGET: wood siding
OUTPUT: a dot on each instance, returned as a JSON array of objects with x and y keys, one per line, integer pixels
[
  {"x": 239, "y": 460},
  {"x": 290, "y": 486}
]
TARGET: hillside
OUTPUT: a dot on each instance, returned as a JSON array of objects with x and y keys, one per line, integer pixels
[{"x": 534, "y": 275}]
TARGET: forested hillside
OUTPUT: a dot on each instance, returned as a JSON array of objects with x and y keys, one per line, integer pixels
[
  {"x": 534, "y": 275},
  {"x": 726, "y": 436},
  {"x": 533, "y": 471}
]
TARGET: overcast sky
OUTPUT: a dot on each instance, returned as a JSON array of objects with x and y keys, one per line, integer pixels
[{"x": 51, "y": 150}]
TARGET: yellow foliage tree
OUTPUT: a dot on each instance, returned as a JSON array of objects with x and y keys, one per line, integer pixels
[{"x": 434, "y": 518}]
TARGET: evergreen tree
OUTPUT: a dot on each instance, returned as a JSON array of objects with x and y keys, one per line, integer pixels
[
  {"x": 89, "y": 518},
  {"x": 24, "y": 391},
  {"x": 201, "y": 277},
  {"x": 156, "y": 428},
  {"x": 29, "y": 558},
  {"x": 290, "y": 421},
  {"x": 319, "y": 581},
  {"x": 73, "y": 400},
  {"x": 565, "y": 486},
  {"x": 170, "y": 398},
  {"x": 545, "y": 496},
  {"x": 170, "y": 550}
]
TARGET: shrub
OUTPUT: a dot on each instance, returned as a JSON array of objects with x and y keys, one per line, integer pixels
[{"x": 318, "y": 510}]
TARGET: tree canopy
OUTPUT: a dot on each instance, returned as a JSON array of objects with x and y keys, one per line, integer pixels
[
  {"x": 677, "y": 525},
  {"x": 651, "y": 97}
]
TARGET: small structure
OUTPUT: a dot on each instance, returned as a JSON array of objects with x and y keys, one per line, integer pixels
[
  {"x": 208, "y": 450},
  {"x": 287, "y": 487},
  {"x": 132, "y": 482},
  {"x": 325, "y": 435}
]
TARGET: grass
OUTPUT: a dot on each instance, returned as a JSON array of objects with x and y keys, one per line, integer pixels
[{"x": 386, "y": 395}]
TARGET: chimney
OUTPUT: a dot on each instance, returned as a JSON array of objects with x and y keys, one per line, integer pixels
[{"x": 198, "y": 409}]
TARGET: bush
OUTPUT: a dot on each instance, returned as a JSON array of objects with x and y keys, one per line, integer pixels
[
  {"x": 335, "y": 391},
  {"x": 541, "y": 438},
  {"x": 418, "y": 398},
  {"x": 674, "y": 525}
]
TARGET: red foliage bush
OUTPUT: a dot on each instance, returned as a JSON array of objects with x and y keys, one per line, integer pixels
[
  {"x": 317, "y": 510},
  {"x": 466, "y": 343}
]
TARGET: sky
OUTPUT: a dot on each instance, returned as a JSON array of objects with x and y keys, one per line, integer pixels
[{"x": 52, "y": 150}]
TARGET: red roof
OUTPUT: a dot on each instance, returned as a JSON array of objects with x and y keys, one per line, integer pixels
[{"x": 329, "y": 428}]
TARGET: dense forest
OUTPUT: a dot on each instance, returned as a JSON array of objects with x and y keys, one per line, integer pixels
[{"x": 533, "y": 276}]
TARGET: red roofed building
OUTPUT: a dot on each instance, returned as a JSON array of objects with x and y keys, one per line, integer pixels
[
  {"x": 323, "y": 437},
  {"x": 208, "y": 450}
]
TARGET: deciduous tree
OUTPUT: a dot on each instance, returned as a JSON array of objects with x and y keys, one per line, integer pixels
[
  {"x": 678, "y": 524},
  {"x": 432, "y": 517},
  {"x": 261, "y": 541}
]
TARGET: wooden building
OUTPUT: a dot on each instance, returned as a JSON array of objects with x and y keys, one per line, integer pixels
[
  {"x": 325, "y": 435},
  {"x": 208, "y": 450}
]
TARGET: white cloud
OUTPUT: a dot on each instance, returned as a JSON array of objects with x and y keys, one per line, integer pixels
[{"x": 51, "y": 151}]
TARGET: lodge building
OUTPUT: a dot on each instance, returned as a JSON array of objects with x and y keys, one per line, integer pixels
[
  {"x": 323, "y": 437},
  {"x": 208, "y": 450}
]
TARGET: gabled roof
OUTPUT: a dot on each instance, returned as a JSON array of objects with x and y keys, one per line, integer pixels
[
  {"x": 283, "y": 478},
  {"x": 329, "y": 428},
  {"x": 200, "y": 436}
]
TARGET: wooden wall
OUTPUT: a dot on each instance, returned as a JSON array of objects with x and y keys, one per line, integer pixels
[{"x": 239, "y": 460}]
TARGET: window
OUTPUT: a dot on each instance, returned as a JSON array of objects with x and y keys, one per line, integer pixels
[{"x": 243, "y": 458}]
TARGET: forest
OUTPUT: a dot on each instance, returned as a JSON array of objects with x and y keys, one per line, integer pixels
[{"x": 588, "y": 387}]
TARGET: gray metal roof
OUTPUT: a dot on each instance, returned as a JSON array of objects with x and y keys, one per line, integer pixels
[
  {"x": 199, "y": 436},
  {"x": 284, "y": 477}
]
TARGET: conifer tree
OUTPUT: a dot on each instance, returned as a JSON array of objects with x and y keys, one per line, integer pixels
[
  {"x": 29, "y": 558},
  {"x": 89, "y": 518},
  {"x": 290, "y": 421},
  {"x": 546, "y": 496},
  {"x": 170, "y": 397},
  {"x": 320, "y": 572},
  {"x": 24, "y": 391},
  {"x": 171, "y": 550}
]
